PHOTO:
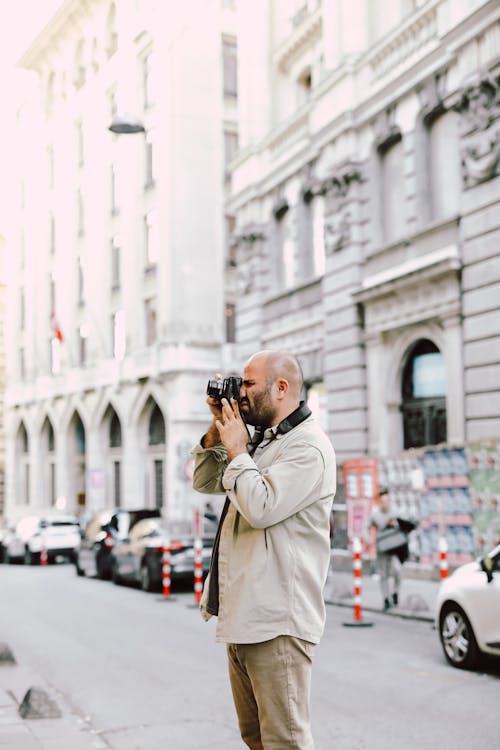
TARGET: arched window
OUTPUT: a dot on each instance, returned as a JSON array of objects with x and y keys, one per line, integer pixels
[
  {"x": 79, "y": 436},
  {"x": 115, "y": 432},
  {"x": 424, "y": 396},
  {"x": 23, "y": 439},
  {"x": 50, "y": 437},
  {"x": 156, "y": 427}
]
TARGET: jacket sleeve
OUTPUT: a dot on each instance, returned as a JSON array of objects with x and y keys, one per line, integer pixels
[
  {"x": 268, "y": 496},
  {"x": 209, "y": 467}
]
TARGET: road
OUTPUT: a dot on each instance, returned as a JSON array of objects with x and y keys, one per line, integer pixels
[{"x": 146, "y": 674}]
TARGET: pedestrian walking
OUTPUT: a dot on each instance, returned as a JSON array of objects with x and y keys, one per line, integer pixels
[
  {"x": 389, "y": 558},
  {"x": 272, "y": 550}
]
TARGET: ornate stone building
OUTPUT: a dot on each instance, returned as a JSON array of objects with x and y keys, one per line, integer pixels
[
  {"x": 116, "y": 286},
  {"x": 366, "y": 197}
]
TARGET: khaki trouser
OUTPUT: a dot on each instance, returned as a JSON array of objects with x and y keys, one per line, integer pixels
[{"x": 271, "y": 690}]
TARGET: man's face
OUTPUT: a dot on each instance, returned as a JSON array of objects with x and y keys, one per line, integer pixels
[{"x": 257, "y": 404}]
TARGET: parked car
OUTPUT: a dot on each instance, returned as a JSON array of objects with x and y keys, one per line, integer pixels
[
  {"x": 57, "y": 534},
  {"x": 139, "y": 558},
  {"x": 468, "y": 611},
  {"x": 106, "y": 528}
]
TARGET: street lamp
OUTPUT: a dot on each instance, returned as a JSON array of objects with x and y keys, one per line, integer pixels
[{"x": 126, "y": 124}]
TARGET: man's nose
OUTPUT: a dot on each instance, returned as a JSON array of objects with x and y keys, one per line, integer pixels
[{"x": 243, "y": 392}]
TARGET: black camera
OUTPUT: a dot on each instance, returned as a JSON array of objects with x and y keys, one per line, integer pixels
[{"x": 228, "y": 388}]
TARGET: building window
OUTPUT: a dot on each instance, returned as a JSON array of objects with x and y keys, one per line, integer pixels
[
  {"x": 151, "y": 323},
  {"x": 444, "y": 166},
  {"x": 230, "y": 61},
  {"x": 117, "y": 495},
  {"x": 149, "y": 160},
  {"x": 52, "y": 234},
  {"x": 158, "y": 478},
  {"x": 118, "y": 334},
  {"x": 80, "y": 144},
  {"x": 52, "y": 295},
  {"x": 113, "y": 191},
  {"x": 52, "y": 480},
  {"x": 393, "y": 191},
  {"x": 230, "y": 313},
  {"x": 230, "y": 146},
  {"x": 424, "y": 386},
  {"x": 80, "y": 212},
  {"x": 115, "y": 431},
  {"x": 82, "y": 345},
  {"x": 151, "y": 239},
  {"x": 50, "y": 165},
  {"x": 50, "y": 438},
  {"x": 80, "y": 288},
  {"x": 22, "y": 309},
  {"x": 156, "y": 427},
  {"x": 79, "y": 436},
  {"x": 304, "y": 86},
  {"x": 115, "y": 262},
  {"x": 148, "y": 80},
  {"x": 22, "y": 363}
]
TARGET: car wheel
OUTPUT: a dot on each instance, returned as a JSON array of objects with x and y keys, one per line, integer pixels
[
  {"x": 79, "y": 571},
  {"x": 457, "y": 637},
  {"x": 146, "y": 582},
  {"x": 101, "y": 568},
  {"x": 29, "y": 557},
  {"x": 115, "y": 575}
]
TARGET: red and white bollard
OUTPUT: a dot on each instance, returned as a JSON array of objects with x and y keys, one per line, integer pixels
[
  {"x": 198, "y": 569},
  {"x": 358, "y": 571},
  {"x": 443, "y": 557},
  {"x": 165, "y": 568},
  {"x": 43, "y": 556}
]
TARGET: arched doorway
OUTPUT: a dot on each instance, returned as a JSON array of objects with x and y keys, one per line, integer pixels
[
  {"x": 115, "y": 455},
  {"x": 49, "y": 462},
  {"x": 155, "y": 475},
  {"x": 77, "y": 461},
  {"x": 23, "y": 465},
  {"x": 424, "y": 385}
]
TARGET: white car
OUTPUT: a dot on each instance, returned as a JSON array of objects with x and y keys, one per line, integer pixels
[
  {"x": 468, "y": 611},
  {"x": 57, "y": 535}
]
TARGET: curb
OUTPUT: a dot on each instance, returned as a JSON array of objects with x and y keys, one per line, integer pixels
[{"x": 402, "y": 614}]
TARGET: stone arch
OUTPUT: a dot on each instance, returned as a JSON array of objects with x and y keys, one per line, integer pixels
[
  {"x": 152, "y": 439},
  {"x": 111, "y": 442},
  {"x": 22, "y": 464},
  {"x": 48, "y": 463},
  {"x": 76, "y": 438}
]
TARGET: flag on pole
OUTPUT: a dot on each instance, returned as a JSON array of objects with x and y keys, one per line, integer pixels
[{"x": 56, "y": 330}]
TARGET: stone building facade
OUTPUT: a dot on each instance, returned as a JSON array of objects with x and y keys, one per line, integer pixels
[
  {"x": 366, "y": 197},
  {"x": 116, "y": 279}
]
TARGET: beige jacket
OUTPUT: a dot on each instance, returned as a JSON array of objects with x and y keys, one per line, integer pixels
[{"x": 275, "y": 546}]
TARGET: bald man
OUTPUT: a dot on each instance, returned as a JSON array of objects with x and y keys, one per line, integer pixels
[{"x": 272, "y": 549}]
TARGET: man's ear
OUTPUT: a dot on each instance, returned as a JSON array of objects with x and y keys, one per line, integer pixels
[{"x": 282, "y": 386}]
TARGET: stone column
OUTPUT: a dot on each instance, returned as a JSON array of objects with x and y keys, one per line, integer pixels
[{"x": 455, "y": 416}]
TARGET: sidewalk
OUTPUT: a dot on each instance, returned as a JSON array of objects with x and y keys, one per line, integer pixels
[
  {"x": 69, "y": 732},
  {"x": 416, "y": 598}
]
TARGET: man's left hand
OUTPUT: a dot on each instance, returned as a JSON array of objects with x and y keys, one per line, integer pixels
[{"x": 232, "y": 429}]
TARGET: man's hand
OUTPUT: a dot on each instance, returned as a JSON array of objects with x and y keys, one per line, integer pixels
[
  {"x": 232, "y": 429},
  {"x": 212, "y": 436}
]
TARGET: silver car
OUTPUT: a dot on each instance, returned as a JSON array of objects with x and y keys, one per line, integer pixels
[
  {"x": 55, "y": 535},
  {"x": 468, "y": 611}
]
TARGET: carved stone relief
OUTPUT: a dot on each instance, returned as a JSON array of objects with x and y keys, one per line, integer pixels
[{"x": 479, "y": 109}]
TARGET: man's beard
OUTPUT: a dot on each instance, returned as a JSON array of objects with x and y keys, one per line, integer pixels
[{"x": 261, "y": 412}]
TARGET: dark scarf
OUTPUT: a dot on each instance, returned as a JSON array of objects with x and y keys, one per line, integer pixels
[{"x": 296, "y": 417}]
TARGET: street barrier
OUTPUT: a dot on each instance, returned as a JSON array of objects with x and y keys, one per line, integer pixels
[
  {"x": 43, "y": 556},
  {"x": 198, "y": 569},
  {"x": 358, "y": 570},
  {"x": 443, "y": 557},
  {"x": 166, "y": 569}
]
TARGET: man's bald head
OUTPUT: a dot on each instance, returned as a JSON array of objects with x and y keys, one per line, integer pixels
[{"x": 280, "y": 364}]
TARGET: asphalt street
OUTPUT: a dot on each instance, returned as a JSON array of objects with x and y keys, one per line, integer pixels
[{"x": 138, "y": 673}]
